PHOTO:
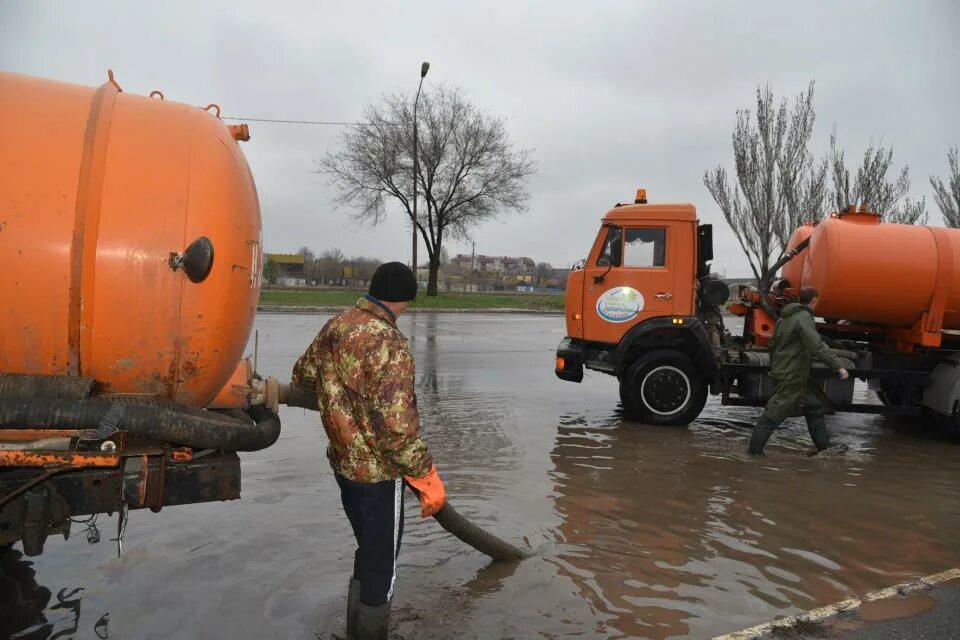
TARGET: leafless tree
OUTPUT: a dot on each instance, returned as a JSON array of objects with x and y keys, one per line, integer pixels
[
  {"x": 363, "y": 268},
  {"x": 469, "y": 171},
  {"x": 544, "y": 272},
  {"x": 778, "y": 183},
  {"x": 948, "y": 196},
  {"x": 309, "y": 263},
  {"x": 871, "y": 189},
  {"x": 306, "y": 253},
  {"x": 330, "y": 265}
]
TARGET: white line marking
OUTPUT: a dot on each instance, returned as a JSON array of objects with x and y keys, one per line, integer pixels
[{"x": 831, "y": 610}]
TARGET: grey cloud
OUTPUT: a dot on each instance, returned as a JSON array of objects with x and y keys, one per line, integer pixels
[{"x": 612, "y": 95}]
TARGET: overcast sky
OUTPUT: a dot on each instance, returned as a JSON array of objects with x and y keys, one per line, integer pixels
[{"x": 610, "y": 95}]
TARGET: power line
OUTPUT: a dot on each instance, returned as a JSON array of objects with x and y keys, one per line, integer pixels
[
  {"x": 333, "y": 123},
  {"x": 278, "y": 121}
]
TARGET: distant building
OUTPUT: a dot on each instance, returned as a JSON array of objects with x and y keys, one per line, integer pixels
[
  {"x": 291, "y": 267},
  {"x": 503, "y": 265}
]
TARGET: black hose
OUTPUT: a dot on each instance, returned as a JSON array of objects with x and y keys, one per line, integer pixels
[
  {"x": 161, "y": 421},
  {"x": 27, "y": 384},
  {"x": 299, "y": 397},
  {"x": 768, "y": 279},
  {"x": 483, "y": 541},
  {"x": 465, "y": 531}
]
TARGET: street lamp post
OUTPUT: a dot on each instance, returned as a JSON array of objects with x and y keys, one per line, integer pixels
[{"x": 416, "y": 165}]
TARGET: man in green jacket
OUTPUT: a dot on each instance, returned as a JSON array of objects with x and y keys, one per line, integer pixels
[{"x": 794, "y": 344}]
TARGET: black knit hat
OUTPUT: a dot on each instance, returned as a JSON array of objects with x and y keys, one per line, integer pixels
[{"x": 393, "y": 282}]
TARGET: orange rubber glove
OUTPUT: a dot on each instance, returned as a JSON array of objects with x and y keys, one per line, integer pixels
[{"x": 430, "y": 491}]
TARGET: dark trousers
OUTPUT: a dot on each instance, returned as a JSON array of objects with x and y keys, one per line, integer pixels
[
  {"x": 375, "y": 511},
  {"x": 785, "y": 402}
]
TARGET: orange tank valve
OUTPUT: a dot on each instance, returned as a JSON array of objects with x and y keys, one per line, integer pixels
[
  {"x": 240, "y": 132},
  {"x": 238, "y": 391}
]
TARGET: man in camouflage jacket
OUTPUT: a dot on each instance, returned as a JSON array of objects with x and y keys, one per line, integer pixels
[{"x": 363, "y": 373}]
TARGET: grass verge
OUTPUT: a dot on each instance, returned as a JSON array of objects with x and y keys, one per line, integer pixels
[{"x": 337, "y": 298}]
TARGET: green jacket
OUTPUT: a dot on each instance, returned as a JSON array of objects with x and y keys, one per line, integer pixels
[{"x": 795, "y": 343}]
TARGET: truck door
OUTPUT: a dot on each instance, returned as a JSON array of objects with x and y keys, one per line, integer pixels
[{"x": 633, "y": 277}]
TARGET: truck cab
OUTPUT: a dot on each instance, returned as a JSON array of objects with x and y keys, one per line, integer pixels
[{"x": 632, "y": 311}]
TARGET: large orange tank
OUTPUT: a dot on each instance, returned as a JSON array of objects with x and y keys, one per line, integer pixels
[
  {"x": 793, "y": 270},
  {"x": 887, "y": 274},
  {"x": 101, "y": 194}
]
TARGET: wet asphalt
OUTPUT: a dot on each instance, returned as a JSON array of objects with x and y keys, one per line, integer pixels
[{"x": 640, "y": 532}]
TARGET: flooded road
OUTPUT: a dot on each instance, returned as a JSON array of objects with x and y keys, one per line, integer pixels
[{"x": 641, "y": 532}]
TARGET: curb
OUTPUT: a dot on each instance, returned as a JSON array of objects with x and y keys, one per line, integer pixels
[
  {"x": 286, "y": 308},
  {"x": 822, "y": 613}
]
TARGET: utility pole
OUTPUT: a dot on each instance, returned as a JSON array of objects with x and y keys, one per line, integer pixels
[
  {"x": 473, "y": 263},
  {"x": 416, "y": 166}
]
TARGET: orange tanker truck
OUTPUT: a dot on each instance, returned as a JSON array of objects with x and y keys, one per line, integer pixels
[
  {"x": 644, "y": 307},
  {"x": 130, "y": 254}
]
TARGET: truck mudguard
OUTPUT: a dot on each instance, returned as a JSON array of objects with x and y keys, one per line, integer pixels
[
  {"x": 686, "y": 334},
  {"x": 942, "y": 394}
]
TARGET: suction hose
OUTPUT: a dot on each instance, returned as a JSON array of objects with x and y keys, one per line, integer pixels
[
  {"x": 60, "y": 402},
  {"x": 448, "y": 517},
  {"x": 483, "y": 541},
  {"x": 768, "y": 280}
]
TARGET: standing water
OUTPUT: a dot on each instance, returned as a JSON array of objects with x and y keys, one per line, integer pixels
[{"x": 645, "y": 532}]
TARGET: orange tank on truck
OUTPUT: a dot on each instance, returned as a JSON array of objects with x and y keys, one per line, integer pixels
[
  {"x": 643, "y": 306},
  {"x": 130, "y": 246},
  {"x": 130, "y": 240}
]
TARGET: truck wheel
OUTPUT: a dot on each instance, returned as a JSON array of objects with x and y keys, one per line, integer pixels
[{"x": 663, "y": 387}]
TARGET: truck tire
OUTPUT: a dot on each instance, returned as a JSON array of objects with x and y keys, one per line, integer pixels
[{"x": 663, "y": 387}]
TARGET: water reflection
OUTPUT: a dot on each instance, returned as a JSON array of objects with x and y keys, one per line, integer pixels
[
  {"x": 29, "y": 611},
  {"x": 642, "y": 532},
  {"x": 674, "y": 532}
]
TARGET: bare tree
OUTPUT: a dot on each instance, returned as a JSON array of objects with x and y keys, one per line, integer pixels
[
  {"x": 544, "y": 272},
  {"x": 309, "y": 263},
  {"x": 468, "y": 171},
  {"x": 364, "y": 267},
  {"x": 778, "y": 183},
  {"x": 330, "y": 265},
  {"x": 871, "y": 189},
  {"x": 948, "y": 196},
  {"x": 306, "y": 253}
]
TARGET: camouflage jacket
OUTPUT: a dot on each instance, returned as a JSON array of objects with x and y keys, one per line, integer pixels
[{"x": 363, "y": 373}]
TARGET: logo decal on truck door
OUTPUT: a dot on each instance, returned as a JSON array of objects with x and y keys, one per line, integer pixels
[{"x": 620, "y": 304}]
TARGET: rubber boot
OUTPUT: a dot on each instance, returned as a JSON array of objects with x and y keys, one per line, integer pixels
[
  {"x": 372, "y": 622},
  {"x": 817, "y": 426},
  {"x": 761, "y": 433},
  {"x": 353, "y": 599}
]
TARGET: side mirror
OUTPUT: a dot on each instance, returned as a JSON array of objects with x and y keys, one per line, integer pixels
[{"x": 603, "y": 261}]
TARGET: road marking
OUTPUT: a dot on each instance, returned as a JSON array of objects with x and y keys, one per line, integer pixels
[{"x": 822, "y": 613}]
